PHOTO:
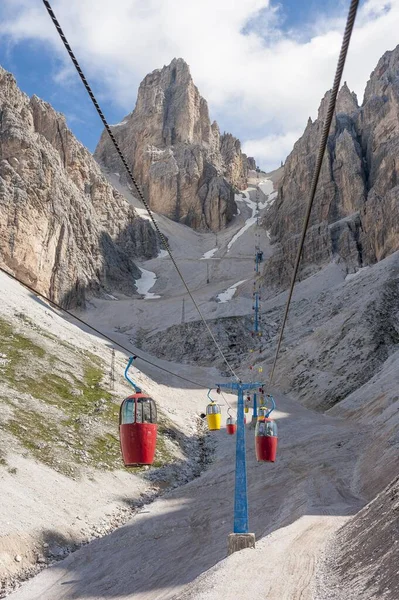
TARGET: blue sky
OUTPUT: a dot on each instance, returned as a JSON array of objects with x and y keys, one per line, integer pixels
[
  {"x": 249, "y": 65},
  {"x": 34, "y": 66}
]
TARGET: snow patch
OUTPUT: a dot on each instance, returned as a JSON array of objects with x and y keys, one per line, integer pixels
[
  {"x": 266, "y": 186},
  {"x": 155, "y": 150},
  {"x": 143, "y": 214},
  {"x": 162, "y": 254},
  {"x": 352, "y": 275},
  {"x": 119, "y": 124},
  {"x": 269, "y": 201},
  {"x": 158, "y": 152},
  {"x": 249, "y": 222},
  {"x": 209, "y": 254},
  {"x": 229, "y": 293},
  {"x": 145, "y": 283}
]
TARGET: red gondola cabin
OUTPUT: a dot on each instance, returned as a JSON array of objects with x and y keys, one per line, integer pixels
[
  {"x": 266, "y": 440},
  {"x": 231, "y": 426},
  {"x": 138, "y": 430}
]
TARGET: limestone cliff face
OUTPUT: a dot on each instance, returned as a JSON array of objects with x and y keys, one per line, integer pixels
[
  {"x": 63, "y": 228},
  {"x": 378, "y": 124},
  {"x": 188, "y": 171},
  {"x": 251, "y": 163},
  {"x": 355, "y": 216},
  {"x": 236, "y": 164}
]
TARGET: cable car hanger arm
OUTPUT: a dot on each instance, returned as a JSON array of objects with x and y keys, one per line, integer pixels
[
  {"x": 209, "y": 395},
  {"x": 273, "y": 403},
  {"x": 136, "y": 388}
]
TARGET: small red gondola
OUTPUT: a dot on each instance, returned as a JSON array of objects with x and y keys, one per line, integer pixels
[
  {"x": 231, "y": 426},
  {"x": 266, "y": 440},
  {"x": 137, "y": 426},
  {"x": 266, "y": 434}
]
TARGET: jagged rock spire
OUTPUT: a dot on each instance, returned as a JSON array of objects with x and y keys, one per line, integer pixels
[
  {"x": 355, "y": 216},
  {"x": 188, "y": 170}
]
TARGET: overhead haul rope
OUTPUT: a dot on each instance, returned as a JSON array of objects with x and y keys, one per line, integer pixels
[
  {"x": 226, "y": 402},
  {"x": 256, "y": 319},
  {"x": 103, "y": 335},
  {"x": 130, "y": 173},
  {"x": 322, "y": 148}
]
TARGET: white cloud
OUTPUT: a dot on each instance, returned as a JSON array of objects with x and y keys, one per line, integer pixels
[
  {"x": 261, "y": 82},
  {"x": 268, "y": 148}
]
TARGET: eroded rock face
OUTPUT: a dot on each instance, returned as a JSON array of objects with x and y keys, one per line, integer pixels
[
  {"x": 355, "y": 216},
  {"x": 251, "y": 163},
  {"x": 187, "y": 170},
  {"x": 362, "y": 557},
  {"x": 63, "y": 228},
  {"x": 236, "y": 163}
]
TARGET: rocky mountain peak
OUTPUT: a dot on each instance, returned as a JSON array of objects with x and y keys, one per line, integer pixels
[
  {"x": 346, "y": 101},
  {"x": 63, "y": 228},
  {"x": 384, "y": 75},
  {"x": 355, "y": 217},
  {"x": 170, "y": 93},
  {"x": 188, "y": 171},
  {"x": 321, "y": 113}
]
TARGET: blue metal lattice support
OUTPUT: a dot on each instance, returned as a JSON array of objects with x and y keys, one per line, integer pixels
[
  {"x": 255, "y": 413},
  {"x": 240, "y": 490},
  {"x": 256, "y": 308}
]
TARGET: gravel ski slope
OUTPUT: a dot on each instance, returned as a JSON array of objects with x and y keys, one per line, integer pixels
[
  {"x": 225, "y": 268},
  {"x": 176, "y": 547},
  {"x": 307, "y": 493}
]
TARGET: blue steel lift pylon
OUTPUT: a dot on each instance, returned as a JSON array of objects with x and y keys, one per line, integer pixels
[
  {"x": 256, "y": 309},
  {"x": 241, "y": 538},
  {"x": 255, "y": 409}
]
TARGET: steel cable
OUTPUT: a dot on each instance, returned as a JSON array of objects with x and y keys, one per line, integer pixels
[
  {"x": 103, "y": 335},
  {"x": 322, "y": 148},
  {"x": 130, "y": 173}
]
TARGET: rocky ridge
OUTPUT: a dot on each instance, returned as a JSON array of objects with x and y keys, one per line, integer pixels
[
  {"x": 347, "y": 571},
  {"x": 63, "y": 228},
  {"x": 187, "y": 169},
  {"x": 64, "y": 471},
  {"x": 251, "y": 163},
  {"x": 189, "y": 343},
  {"x": 355, "y": 217}
]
